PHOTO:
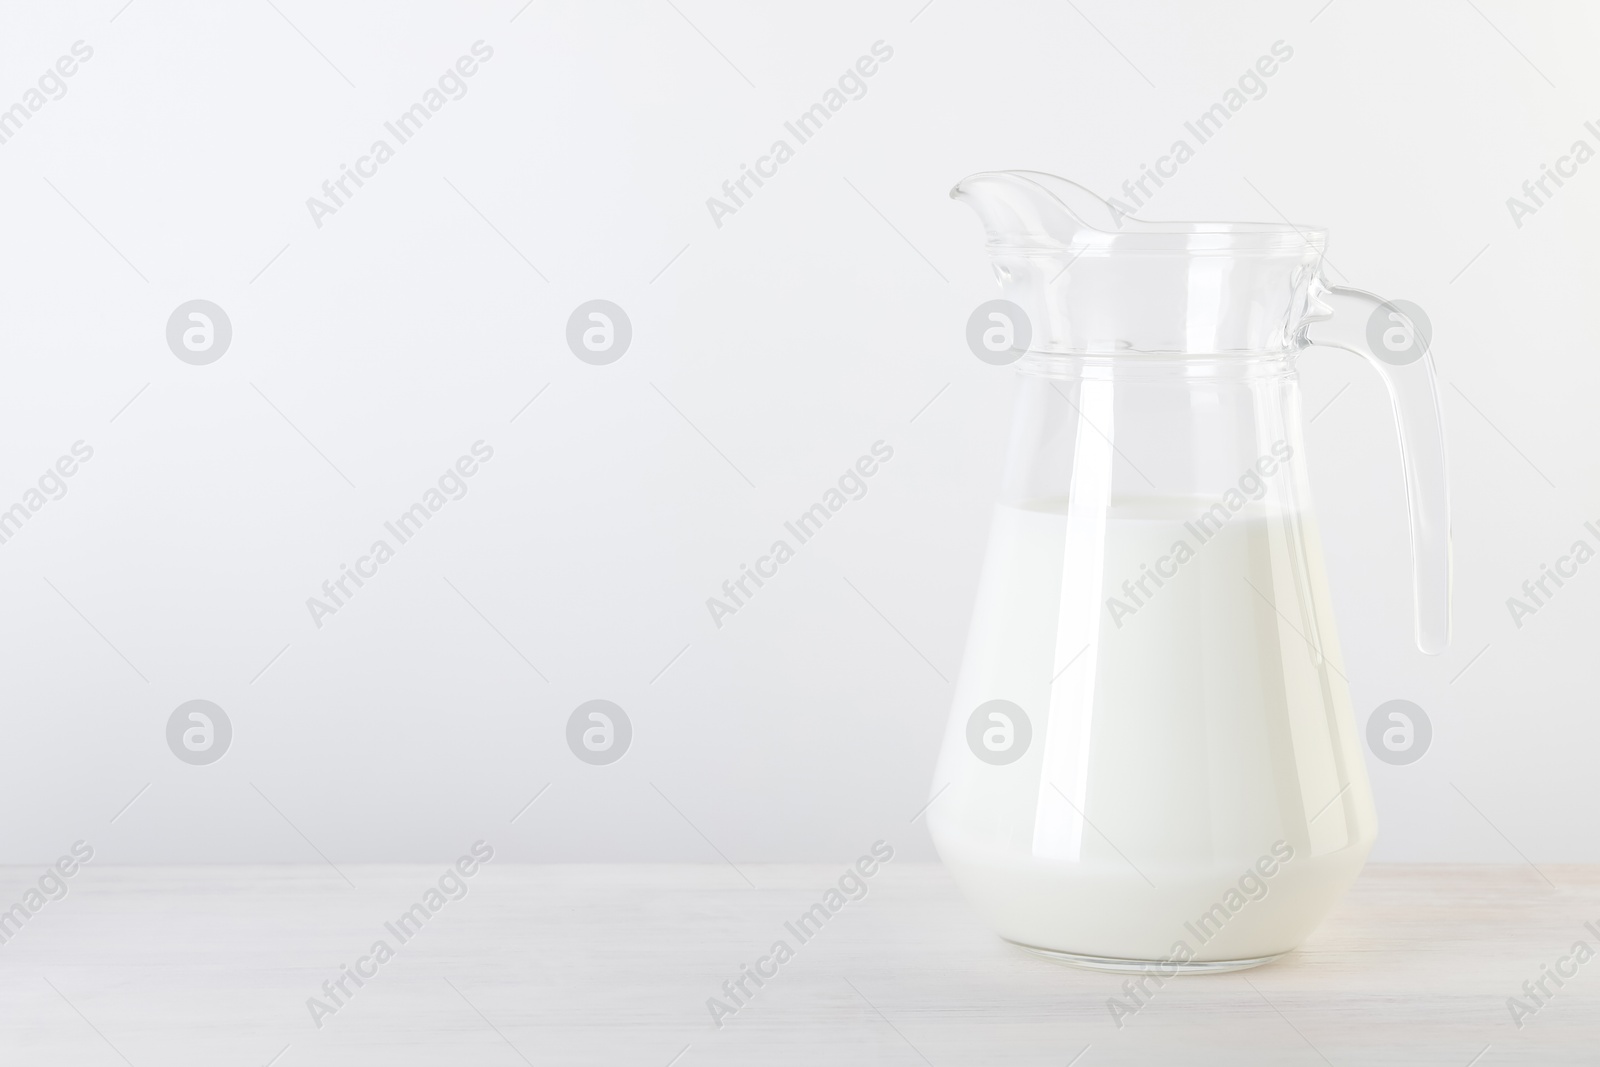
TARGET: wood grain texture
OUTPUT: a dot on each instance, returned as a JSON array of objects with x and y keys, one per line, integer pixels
[{"x": 614, "y": 964}]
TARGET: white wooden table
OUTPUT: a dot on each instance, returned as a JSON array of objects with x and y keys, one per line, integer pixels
[{"x": 614, "y": 964}]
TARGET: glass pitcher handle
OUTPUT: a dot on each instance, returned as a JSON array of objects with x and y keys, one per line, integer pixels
[{"x": 1397, "y": 348}]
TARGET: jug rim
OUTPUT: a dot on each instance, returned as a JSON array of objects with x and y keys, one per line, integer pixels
[{"x": 1078, "y": 220}]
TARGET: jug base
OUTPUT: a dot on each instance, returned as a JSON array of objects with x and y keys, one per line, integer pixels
[{"x": 1125, "y": 966}]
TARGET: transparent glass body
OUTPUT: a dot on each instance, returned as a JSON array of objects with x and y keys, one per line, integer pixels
[{"x": 1151, "y": 756}]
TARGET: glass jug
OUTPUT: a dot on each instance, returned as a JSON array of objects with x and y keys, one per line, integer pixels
[{"x": 1152, "y": 759}]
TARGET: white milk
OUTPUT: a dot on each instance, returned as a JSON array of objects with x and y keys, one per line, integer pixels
[{"x": 1205, "y": 723}]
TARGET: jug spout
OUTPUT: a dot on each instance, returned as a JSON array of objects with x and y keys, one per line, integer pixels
[
  {"x": 1094, "y": 279},
  {"x": 1028, "y": 209}
]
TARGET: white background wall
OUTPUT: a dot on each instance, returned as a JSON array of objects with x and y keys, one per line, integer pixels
[{"x": 804, "y": 329}]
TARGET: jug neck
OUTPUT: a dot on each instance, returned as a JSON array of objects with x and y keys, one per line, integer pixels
[{"x": 1094, "y": 280}]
